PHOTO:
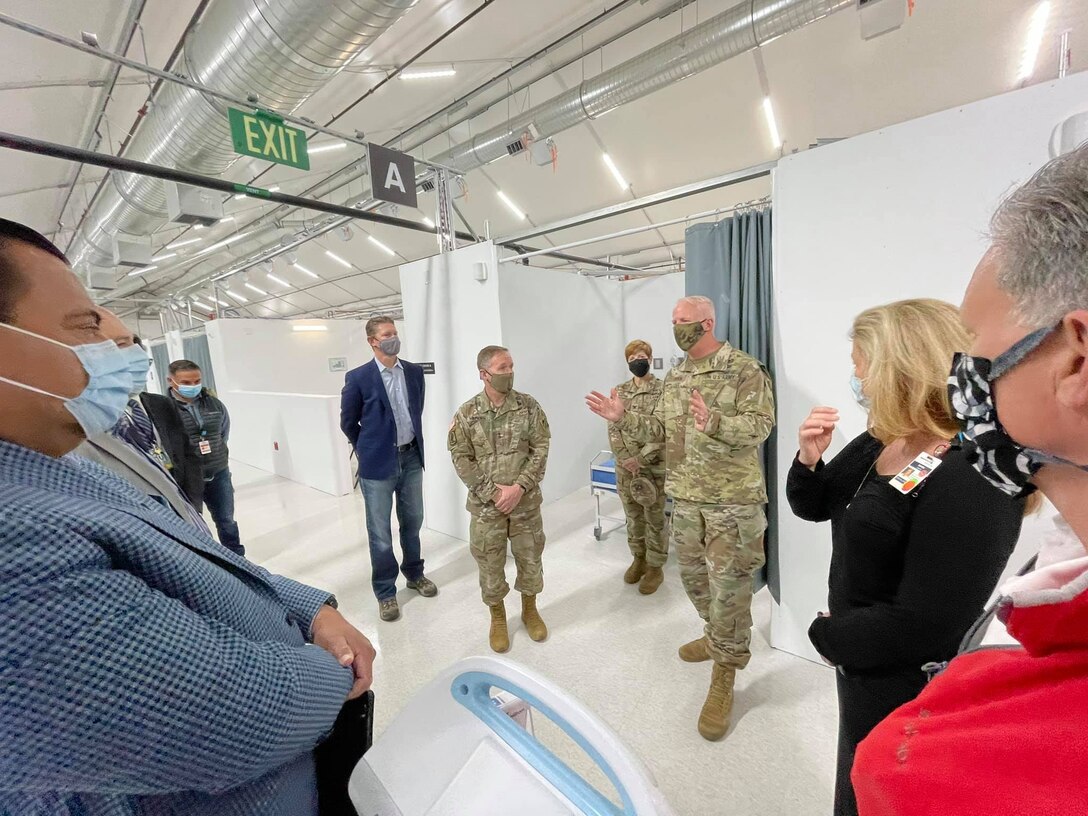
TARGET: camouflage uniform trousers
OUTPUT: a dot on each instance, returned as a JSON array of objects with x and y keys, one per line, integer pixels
[
  {"x": 720, "y": 549},
  {"x": 645, "y": 525},
  {"x": 488, "y": 534}
]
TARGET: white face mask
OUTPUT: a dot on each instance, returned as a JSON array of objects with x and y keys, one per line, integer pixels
[{"x": 111, "y": 374}]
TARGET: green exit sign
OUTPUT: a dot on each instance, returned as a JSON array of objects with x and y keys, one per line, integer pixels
[{"x": 266, "y": 136}]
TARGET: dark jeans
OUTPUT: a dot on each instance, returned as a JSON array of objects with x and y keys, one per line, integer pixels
[
  {"x": 219, "y": 498},
  {"x": 407, "y": 484},
  {"x": 864, "y": 702}
]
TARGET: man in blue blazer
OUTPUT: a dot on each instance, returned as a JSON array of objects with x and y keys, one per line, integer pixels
[
  {"x": 381, "y": 410},
  {"x": 144, "y": 667}
]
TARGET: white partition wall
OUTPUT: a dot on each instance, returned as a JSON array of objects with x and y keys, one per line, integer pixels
[
  {"x": 894, "y": 214},
  {"x": 448, "y": 317},
  {"x": 566, "y": 334},
  {"x": 282, "y": 388}
]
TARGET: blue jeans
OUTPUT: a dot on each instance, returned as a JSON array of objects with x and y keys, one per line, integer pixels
[
  {"x": 219, "y": 497},
  {"x": 407, "y": 484}
]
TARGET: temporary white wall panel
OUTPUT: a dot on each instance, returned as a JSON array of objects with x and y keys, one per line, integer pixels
[{"x": 898, "y": 213}]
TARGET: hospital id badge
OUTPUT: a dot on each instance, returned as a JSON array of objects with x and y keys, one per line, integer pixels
[
  {"x": 205, "y": 447},
  {"x": 908, "y": 479}
]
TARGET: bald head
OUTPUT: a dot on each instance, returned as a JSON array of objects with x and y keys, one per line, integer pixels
[{"x": 115, "y": 330}]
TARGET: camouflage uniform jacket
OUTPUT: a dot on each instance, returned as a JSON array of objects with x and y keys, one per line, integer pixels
[
  {"x": 720, "y": 465},
  {"x": 505, "y": 445},
  {"x": 641, "y": 398}
]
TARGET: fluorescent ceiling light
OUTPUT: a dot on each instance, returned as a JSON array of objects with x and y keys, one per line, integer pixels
[
  {"x": 225, "y": 220},
  {"x": 772, "y": 125},
  {"x": 164, "y": 257},
  {"x": 240, "y": 196},
  {"x": 135, "y": 272},
  {"x": 338, "y": 259},
  {"x": 1034, "y": 41},
  {"x": 226, "y": 242},
  {"x": 310, "y": 328},
  {"x": 306, "y": 271},
  {"x": 616, "y": 174},
  {"x": 323, "y": 148},
  {"x": 202, "y": 304},
  {"x": 428, "y": 73},
  {"x": 511, "y": 206},
  {"x": 428, "y": 222},
  {"x": 236, "y": 297},
  {"x": 198, "y": 227},
  {"x": 280, "y": 281},
  {"x": 221, "y": 302},
  {"x": 177, "y": 244},
  {"x": 256, "y": 289},
  {"x": 380, "y": 245}
]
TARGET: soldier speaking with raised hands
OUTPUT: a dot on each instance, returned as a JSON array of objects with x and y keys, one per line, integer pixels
[{"x": 717, "y": 408}]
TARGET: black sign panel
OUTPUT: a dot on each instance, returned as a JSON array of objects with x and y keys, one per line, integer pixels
[
  {"x": 392, "y": 175},
  {"x": 428, "y": 368}
]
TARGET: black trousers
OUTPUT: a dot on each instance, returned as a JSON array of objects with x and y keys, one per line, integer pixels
[{"x": 864, "y": 701}]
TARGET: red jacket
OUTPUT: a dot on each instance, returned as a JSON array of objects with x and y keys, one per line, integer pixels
[{"x": 1002, "y": 732}]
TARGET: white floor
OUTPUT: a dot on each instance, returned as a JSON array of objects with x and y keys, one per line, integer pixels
[{"x": 609, "y": 645}]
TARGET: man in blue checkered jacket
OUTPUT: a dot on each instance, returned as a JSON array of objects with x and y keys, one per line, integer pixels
[{"x": 144, "y": 668}]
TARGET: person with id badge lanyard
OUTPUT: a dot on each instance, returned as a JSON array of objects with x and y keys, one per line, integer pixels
[
  {"x": 206, "y": 424},
  {"x": 919, "y": 538}
]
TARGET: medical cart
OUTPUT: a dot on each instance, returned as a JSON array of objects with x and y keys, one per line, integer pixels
[{"x": 457, "y": 749}]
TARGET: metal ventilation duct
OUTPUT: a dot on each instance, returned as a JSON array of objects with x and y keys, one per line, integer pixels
[
  {"x": 748, "y": 25},
  {"x": 731, "y": 33},
  {"x": 281, "y": 50}
]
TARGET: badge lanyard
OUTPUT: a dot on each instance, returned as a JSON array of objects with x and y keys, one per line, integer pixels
[{"x": 205, "y": 445}]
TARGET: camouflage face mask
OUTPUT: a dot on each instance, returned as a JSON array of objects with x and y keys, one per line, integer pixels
[{"x": 688, "y": 334}]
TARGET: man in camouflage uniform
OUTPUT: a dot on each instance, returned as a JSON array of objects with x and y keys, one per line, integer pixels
[
  {"x": 641, "y": 465},
  {"x": 716, "y": 410},
  {"x": 499, "y": 441}
]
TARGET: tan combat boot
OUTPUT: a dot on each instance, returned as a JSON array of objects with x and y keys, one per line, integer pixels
[
  {"x": 534, "y": 624},
  {"x": 714, "y": 718},
  {"x": 635, "y": 571},
  {"x": 500, "y": 637},
  {"x": 651, "y": 580},
  {"x": 695, "y": 652}
]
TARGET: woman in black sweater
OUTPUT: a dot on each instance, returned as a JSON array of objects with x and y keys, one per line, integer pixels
[{"x": 913, "y": 561}]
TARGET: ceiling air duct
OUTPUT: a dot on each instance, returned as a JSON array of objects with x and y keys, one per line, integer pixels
[{"x": 279, "y": 51}]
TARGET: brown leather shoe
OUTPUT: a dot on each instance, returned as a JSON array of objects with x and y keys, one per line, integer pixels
[
  {"x": 651, "y": 580},
  {"x": 500, "y": 637},
  {"x": 695, "y": 652},
  {"x": 635, "y": 571},
  {"x": 714, "y": 718}
]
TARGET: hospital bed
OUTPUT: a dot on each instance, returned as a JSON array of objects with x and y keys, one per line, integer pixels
[{"x": 462, "y": 747}]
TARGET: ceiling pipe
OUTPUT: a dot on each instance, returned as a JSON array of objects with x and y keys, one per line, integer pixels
[
  {"x": 733, "y": 32},
  {"x": 738, "y": 30},
  {"x": 280, "y": 52}
]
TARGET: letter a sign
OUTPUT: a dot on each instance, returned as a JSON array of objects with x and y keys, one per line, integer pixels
[{"x": 392, "y": 175}]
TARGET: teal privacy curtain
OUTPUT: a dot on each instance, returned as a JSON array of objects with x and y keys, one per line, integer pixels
[
  {"x": 195, "y": 348},
  {"x": 730, "y": 263}
]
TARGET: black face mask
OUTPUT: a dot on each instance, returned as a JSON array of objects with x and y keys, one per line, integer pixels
[
  {"x": 1004, "y": 462},
  {"x": 640, "y": 368}
]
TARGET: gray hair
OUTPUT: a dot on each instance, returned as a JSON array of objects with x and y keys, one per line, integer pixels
[
  {"x": 704, "y": 304},
  {"x": 1040, "y": 235}
]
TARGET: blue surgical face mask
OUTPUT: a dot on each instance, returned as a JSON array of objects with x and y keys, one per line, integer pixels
[
  {"x": 109, "y": 382},
  {"x": 857, "y": 386},
  {"x": 189, "y": 391},
  {"x": 138, "y": 366}
]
